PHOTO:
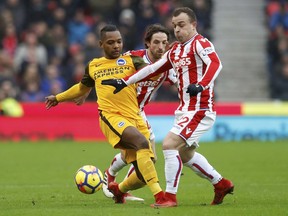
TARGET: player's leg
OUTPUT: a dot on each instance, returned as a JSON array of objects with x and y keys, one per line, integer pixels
[
  {"x": 110, "y": 174},
  {"x": 152, "y": 135},
  {"x": 197, "y": 162},
  {"x": 132, "y": 182},
  {"x": 109, "y": 126},
  {"x": 138, "y": 142},
  {"x": 132, "y": 168},
  {"x": 200, "y": 165},
  {"x": 129, "y": 196},
  {"x": 173, "y": 164},
  {"x": 133, "y": 139},
  {"x": 132, "y": 136}
]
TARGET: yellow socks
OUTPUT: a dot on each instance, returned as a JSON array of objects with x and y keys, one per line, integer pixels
[
  {"x": 148, "y": 171},
  {"x": 131, "y": 183}
]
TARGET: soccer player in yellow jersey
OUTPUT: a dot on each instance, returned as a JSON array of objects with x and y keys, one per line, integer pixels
[{"x": 120, "y": 119}]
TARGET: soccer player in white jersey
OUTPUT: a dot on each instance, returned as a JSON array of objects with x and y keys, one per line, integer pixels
[{"x": 197, "y": 65}]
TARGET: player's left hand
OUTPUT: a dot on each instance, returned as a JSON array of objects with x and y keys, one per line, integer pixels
[
  {"x": 194, "y": 89},
  {"x": 119, "y": 84},
  {"x": 51, "y": 101}
]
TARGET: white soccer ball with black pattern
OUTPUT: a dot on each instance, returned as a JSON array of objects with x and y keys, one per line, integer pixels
[{"x": 89, "y": 179}]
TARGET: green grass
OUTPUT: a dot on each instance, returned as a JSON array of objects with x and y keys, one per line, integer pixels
[{"x": 36, "y": 179}]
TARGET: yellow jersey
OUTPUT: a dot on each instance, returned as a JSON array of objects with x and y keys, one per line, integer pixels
[{"x": 124, "y": 102}]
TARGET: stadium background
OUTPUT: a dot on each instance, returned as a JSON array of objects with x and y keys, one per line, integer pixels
[{"x": 45, "y": 45}]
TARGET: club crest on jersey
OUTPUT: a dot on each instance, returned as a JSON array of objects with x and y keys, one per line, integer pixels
[
  {"x": 121, "y": 124},
  {"x": 121, "y": 62},
  {"x": 207, "y": 51}
]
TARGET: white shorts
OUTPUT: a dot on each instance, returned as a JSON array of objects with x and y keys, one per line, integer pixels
[
  {"x": 152, "y": 135},
  {"x": 190, "y": 126}
]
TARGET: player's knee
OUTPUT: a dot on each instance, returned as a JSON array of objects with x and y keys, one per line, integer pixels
[{"x": 143, "y": 144}]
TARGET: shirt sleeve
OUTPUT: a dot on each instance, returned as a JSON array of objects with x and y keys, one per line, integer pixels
[
  {"x": 207, "y": 53},
  {"x": 138, "y": 62},
  {"x": 86, "y": 79},
  {"x": 75, "y": 91},
  {"x": 151, "y": 70},
  {"x": 171, "y": 77}
]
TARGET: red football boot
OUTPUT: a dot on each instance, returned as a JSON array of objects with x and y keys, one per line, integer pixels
[
  {"x": 119, "y": 197},
  {"x": 163, "y": 202},
  {"x": 221, "y": 189}
]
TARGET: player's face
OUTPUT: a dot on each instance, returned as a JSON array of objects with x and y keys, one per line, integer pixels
[
  {"x": 112, "y": 44},
  {"x": 183, "y": 28},
  {"x": 158, "y": 44}
]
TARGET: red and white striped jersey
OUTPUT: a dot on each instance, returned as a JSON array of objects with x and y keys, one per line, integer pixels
[
  {"x": 147, "y": 87},
  {"x": 194, "y": 61}
]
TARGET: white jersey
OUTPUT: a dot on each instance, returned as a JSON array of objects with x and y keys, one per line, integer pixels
[
  {"x": 194, "y": 61},
  {"x": 147, "y": 87}
]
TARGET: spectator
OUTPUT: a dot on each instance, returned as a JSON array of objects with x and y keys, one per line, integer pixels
[
  {"x": 53, "y": 81},
  {"x": 44, "y": 36},
  {"x": 30, "y": 51},
  {"x": 30, "y": 85},
  {"x": 203, "y": 11},
  {"x": 10, "y": 40},
  {"x": 6, "y": 66},
  {"x": 10, "y": 106},
  {"x": 60, "y": 44},
  {"x": 8, "y": 89},
  {"x": 280, "y": 84},
  {"x": 36, "y": 11},
  {"x": 18, "y": 13},
  {"x": 277, "y": 48},
  {"x": 146, "y": 14},
  {"x": 78, "y": 29},
  {"x": 91, "y": 47},
  {"x": 39, "y": 32},
  {"x": 128, "y": 29},
  {"x": 32, "y": 93}
]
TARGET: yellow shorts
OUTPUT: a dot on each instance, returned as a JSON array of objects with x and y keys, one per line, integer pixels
[{"x": 112, "y": 125}]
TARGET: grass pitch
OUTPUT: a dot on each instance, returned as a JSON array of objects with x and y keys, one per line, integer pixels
[{"x": 37, "y": 179}]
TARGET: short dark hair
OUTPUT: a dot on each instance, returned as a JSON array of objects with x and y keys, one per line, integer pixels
[
  {"x": 153, "y": 29},
  {"x": 191, "y": 14},
  {"x": 107, "y": 28}
]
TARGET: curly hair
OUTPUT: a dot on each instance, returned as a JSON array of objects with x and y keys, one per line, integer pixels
[{"x": 153, "y": 29}]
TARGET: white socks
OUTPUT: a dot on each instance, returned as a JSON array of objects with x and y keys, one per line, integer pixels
[
  {"x": 173, "y": 170},
  {"x": 116, "y": 165},
  {"x": 199, "y": 164}
]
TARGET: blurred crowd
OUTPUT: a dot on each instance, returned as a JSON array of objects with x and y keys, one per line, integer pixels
[
  {"x": 46, "y": 44},
  {"x": 276, "y": 12}
]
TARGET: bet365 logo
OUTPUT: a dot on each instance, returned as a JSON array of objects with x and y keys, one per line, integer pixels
[{"x": 182, "y": 62}]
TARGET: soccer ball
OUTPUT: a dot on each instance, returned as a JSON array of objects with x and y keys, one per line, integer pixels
[{"x": 89, "y": 179}]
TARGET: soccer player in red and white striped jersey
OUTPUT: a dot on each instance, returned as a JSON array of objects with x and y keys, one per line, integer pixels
[{"x": 197, "y": 66}]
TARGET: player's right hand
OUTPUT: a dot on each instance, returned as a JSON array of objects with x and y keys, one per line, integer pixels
[
  {"x": 119, "y": 84},
  {"x": 50, "y": 101}
]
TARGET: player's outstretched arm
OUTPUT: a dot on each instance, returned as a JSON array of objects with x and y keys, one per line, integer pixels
[
  {"x": 119, "y": 84},
  {"x": 80, "y": 100},
  {"x": 76, "y": 91}
]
